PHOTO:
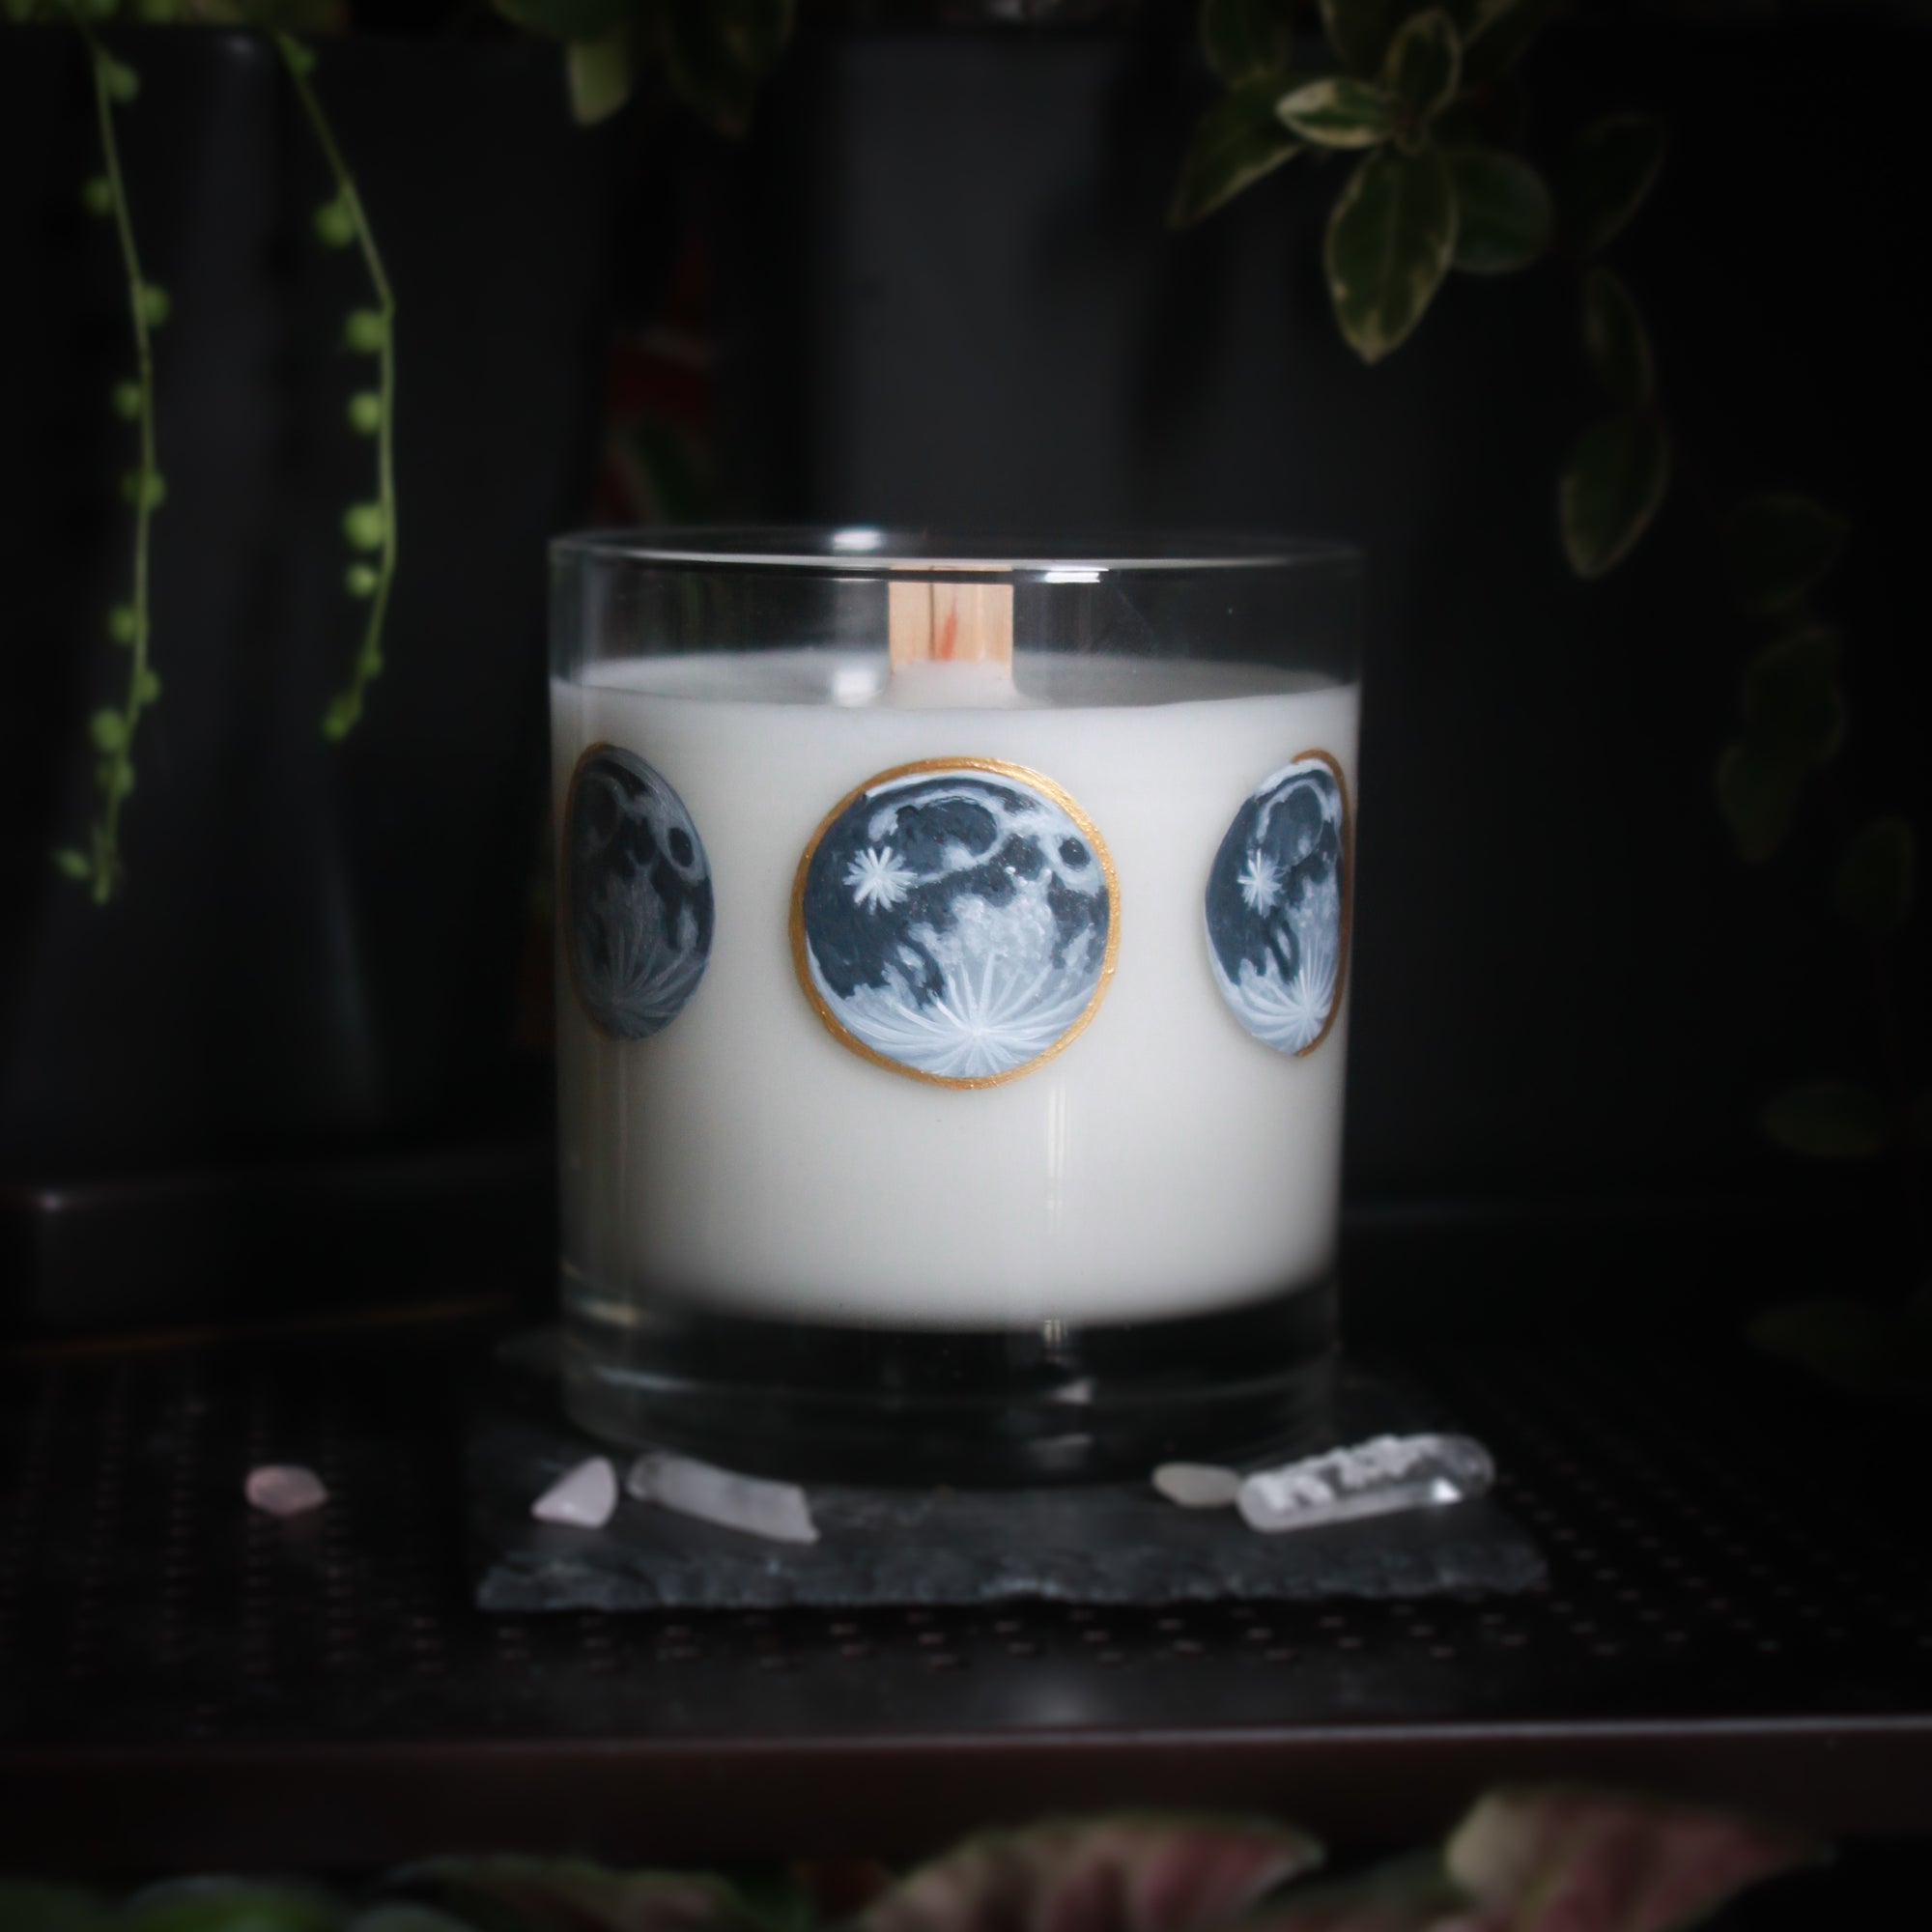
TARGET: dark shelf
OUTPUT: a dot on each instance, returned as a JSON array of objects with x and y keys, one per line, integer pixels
[{"x": 1736, "y": 1609}]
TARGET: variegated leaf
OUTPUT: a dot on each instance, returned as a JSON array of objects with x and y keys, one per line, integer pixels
[
  {"x": 1605, "y": 178},
  {"x": 1391, "y": 237},
  {"x": 1503, "y": 211},
  {"x": 1613, "y": 483},
  {"x": 1337, "y": 112},
  {"x": 1422, "y": 70},
  {"x": 1237, "y": 141},
  {"x": 1151, "y": 1874},
  {"x": 1245, "y": 40},
  {"x": 1616, "y": 341},
  {"x": 1778, "y": 547},
  {"x": 1540, "y": 1859}
]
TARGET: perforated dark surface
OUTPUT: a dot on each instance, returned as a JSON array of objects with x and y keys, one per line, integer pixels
[{"x": 1709, "y": 1582}]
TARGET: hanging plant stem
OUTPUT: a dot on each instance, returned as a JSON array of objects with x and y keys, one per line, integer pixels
[
  {"x": 370, "y": 526},
  {"x": 113, "y": 730}
]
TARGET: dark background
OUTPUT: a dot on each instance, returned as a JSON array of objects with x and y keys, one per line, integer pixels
[{"x": 934, "y": 287}]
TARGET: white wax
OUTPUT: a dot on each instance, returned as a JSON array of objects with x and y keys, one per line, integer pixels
[{"x": 1167, "y": 1164}]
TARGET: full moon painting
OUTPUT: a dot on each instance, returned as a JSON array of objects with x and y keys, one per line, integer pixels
[
  {"x": 956, "y": 923},
  {"x": 639, "y": 910},
  {"x": 1277, "y": 905}
]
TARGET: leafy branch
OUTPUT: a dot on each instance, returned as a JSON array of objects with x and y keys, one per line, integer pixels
[
  {"x": 1410, "y": 93},
  {"x": 371, "y": 526},
  {"x": 716, "y": 53},
  {"x": 113, "y": 730}
]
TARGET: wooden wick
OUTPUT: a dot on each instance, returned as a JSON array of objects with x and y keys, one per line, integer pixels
[{"x": 967, "y": 623}]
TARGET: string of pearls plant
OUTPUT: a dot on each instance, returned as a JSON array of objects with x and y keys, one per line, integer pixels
[{"x": 369, "y": 527}]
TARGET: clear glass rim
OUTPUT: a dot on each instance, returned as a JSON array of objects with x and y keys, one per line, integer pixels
[{"x": 874, "y": 549}]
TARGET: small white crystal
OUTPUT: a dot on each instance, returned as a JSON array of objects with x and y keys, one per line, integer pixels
[
  {"x": 1378, "y": 1477},
  {"x": 583, "y": 1497},
  {"x": 759, "y": 1508},
  {"x": 1198, "y": 1486},
  {"x": 284, "y": 1489}
]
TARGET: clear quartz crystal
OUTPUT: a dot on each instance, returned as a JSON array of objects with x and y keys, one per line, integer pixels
[
  {"x": 1378, "y": 1477},
  {"x": 749, "y": 1503},
  {"x": 1197, "y": 1485},
  {"x": 584, "y": 1497}
]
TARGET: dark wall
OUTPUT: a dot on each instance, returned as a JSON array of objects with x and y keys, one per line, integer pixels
[{"x": 951, "y": 300}]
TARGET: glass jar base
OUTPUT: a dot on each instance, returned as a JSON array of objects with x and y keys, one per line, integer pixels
[{"x": 877, "y": 1405}]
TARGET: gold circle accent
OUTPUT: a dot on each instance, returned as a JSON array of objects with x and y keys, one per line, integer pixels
[
  {"x": 1329, "y": 759},
  {"x": 998, "y": 768}
]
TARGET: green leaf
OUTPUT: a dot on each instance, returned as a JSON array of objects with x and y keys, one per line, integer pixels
[
  {"x": 146, "y": 687},
  {"x": 1390, "y": 241},
  {"x": 1873, "y": 886},
  {"x": 1245, "y": 40},
  {"x": 1410, "y": 1894},
  {"x": 600, "y": 75},
  {"x": 1614, "y": 482},
  {"x": 1779, "y": 546},
  {"x": 96, "y": 196},
  {"x": 120, "y": 79},
  {"x": 145, "y": 488},
  {"x": 366, "y": 330},
  {"x": 335, "y": 222},
  {"x": 1131, "y": 1874},
  {"x": 1757, "y": 795},
  {"x": 1793, "y": 709},
  {"x": 109, "y": 732},
  {"x": 1603, "y": 181},
  {"x": 1499, "y": 35},
  {"x": 1422, "y": 70},
  {"x": 1337, "y": 112},
  {"x": 1238, "y": 140},
  {"x": 558, "y": 1894},
  {"x": 1503, "y": 212},
  {"x": 360, "y": 580},
  {"x": 719, "y": 51},
  {"x": 25, "y": 1905},
  {"x": 123, "y": 624},
  {"x": 365, "y": 412},
  {"x": 1827, "y": 1119},
  {"x": 128, "y": 400},
  {"x": 1538, "y": 1858},
  {"x": 1616, "y": 341},
  {"x": 13, "y": 1898},
  {"x": 226, "y": 1905},
  {"x": 565, "y": 19},
  {"x": 155, "y": 305},
  {"x": 365, "y": 526},
  {"x": 340, "y": 718}
]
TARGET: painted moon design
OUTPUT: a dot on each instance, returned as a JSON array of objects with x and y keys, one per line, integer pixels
[
  {"x": 637, "y": 902},
  {"x": 956, "y": 921},
  {"x": 1278, "y": 905}
]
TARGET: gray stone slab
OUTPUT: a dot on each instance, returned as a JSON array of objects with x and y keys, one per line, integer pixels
[{"x": 1095, "y": 1544}]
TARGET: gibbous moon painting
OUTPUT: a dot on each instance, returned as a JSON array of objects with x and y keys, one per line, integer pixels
[
  {"x": 956, "y": 921},
  {"x": 639, "y": 908},
  {"x": 1277, "y": 905}
]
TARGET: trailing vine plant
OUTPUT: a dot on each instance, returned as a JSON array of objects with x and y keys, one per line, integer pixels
[
  {"x": 1413, "y": 92},
  {"x": 1416, "y": 94},
  {"x": 342, "y": 222},
  {"x": 716, "y": 54},
  {"x": 112, "y": 728}
]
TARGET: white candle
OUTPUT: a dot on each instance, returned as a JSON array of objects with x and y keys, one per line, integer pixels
[{"x": 1165, "y": 1162}]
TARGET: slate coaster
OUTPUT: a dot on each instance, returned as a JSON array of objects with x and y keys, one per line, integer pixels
[{"x": 1102, "y": 1543}]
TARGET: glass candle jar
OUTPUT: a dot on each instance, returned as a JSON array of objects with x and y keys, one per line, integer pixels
[{"x": 953, "y": 996}]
